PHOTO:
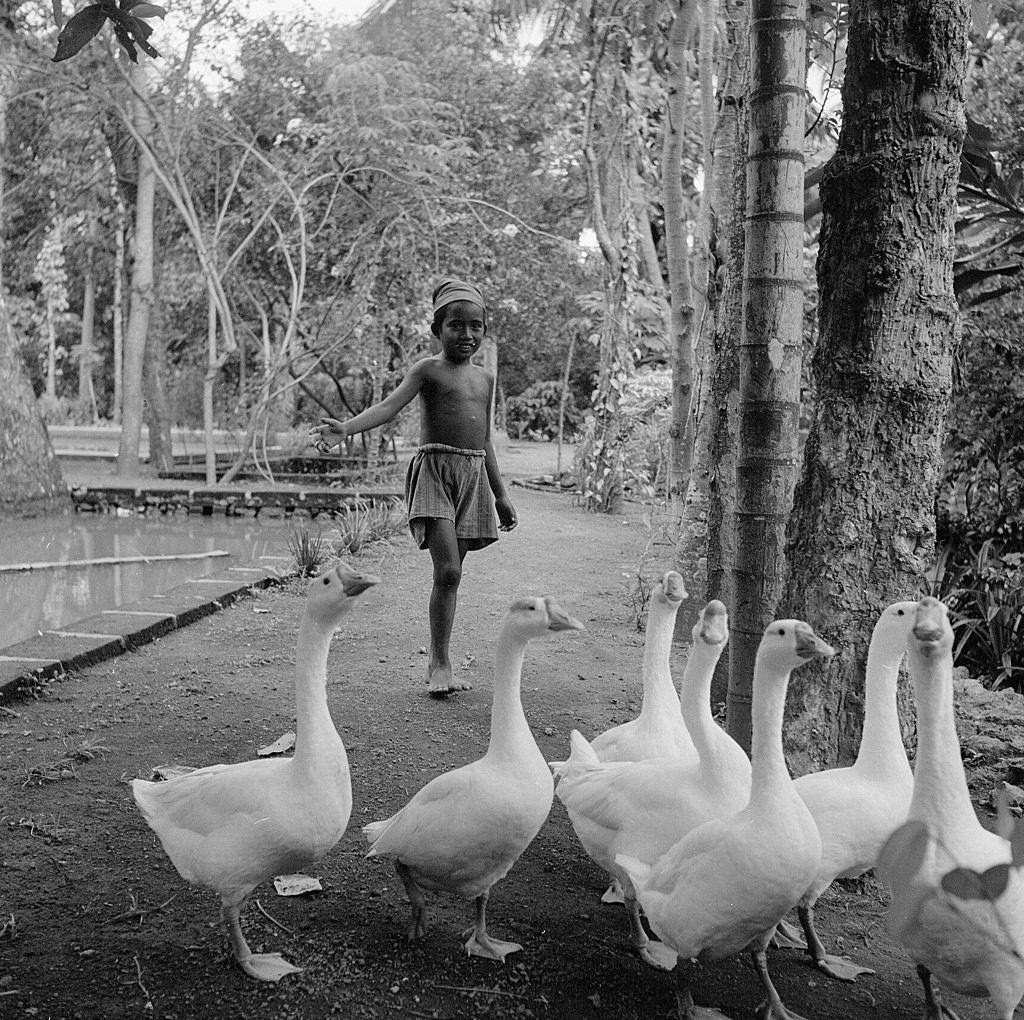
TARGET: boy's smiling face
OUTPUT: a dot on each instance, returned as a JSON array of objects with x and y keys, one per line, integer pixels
[{"x": 462, "y": 330}]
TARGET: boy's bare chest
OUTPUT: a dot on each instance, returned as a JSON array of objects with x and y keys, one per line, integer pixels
[{"x": 463, "y": 389}]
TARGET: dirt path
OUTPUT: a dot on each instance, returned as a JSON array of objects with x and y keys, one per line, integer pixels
[{"x": 94, "y": 921}]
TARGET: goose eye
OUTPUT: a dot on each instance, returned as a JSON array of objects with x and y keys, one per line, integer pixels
[
  {"x": 901, "y": 612},
  {"x": 782, "y": 631},
  {"x": 327, "y": 580}
]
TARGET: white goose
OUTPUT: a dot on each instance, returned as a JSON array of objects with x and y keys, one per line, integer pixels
[
  {"x": 857, "y": 808},
  {"x": 642, "y": 808},
  {"x": 974, "y": 945},
  {"x": 659, "y": 728},
  {"x": 464, "y": 830},
  {"x": 230, "y": 827},
  {"x": 726, "y": 884}
]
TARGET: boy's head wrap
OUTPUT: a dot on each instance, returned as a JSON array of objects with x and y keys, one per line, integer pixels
[{"x": 456, "y": 290}]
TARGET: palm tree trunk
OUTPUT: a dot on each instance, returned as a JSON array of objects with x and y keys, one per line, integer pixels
[{"x": 771, "y": 341}]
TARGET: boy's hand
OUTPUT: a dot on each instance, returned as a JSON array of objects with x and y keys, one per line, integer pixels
[
  {"x": 507, "y": 518},
  {"x": 330, "y": 432}
]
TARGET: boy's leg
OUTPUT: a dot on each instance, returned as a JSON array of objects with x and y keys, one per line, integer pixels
[{"x": 447, "y": 553}]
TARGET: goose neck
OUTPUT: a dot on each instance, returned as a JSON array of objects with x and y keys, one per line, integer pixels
[
  {"x": 881, "y": 745},
  {"x": 312, "y": 716},
  {"x": 509, "y": 728},
  {"x": 695, "y": 695},
  {"x": 940, "y": 785},
  {"x": 769, "y": 772},
  {"x": 659, "y": 691}
]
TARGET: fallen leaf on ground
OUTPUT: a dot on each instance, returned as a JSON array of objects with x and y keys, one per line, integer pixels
[{"x": 296, "y": 885}]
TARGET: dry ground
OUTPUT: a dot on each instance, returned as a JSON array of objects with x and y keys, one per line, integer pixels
[{"x": 95, "y": 922}]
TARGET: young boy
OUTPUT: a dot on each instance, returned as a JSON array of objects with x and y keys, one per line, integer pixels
[{"x": 454, "y": 472}]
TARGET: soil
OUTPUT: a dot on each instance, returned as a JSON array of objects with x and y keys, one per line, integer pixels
[{"x": 95, "y": 922}]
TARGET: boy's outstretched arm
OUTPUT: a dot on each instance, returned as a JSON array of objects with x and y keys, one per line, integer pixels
[{"x": 332, "y": 432}]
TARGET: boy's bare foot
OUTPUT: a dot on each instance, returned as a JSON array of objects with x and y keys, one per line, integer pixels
[{"x": 440, "y": 682}]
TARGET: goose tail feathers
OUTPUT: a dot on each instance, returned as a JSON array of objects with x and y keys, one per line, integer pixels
[{"x": 581, "y": 757}]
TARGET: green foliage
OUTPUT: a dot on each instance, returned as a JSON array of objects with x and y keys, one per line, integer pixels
[
  {"x": 534, "y": 413},
  {"x": 308, "y": 549}
]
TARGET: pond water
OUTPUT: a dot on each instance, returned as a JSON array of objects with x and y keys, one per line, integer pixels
[{"x": 51, "y": 598}]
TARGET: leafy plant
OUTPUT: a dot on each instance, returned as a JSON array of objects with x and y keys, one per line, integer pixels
[
  {"x": 308, "y": 549},
  {"x": 534, "y": 413},
  {"x": 363, "y": 523},
  {"x": 985, "y": 597}
]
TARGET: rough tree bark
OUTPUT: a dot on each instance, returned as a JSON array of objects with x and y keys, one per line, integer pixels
[
  {"x": 677, "y": 256},
  {"x": 771, "y": 342},
  {"x": 718, "y": 423},
  {"x": 608, "y": 156},
  {"x": 141, "y": 284},
  {"x": 863, "y": 525}
]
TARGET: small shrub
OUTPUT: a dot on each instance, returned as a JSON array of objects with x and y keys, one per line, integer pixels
[
  {"x": 985, "y": 597},
  {"x": 534, "y": 413},
  {"x": 364, "y": 523},
  {"x": 308, "y": 549}
]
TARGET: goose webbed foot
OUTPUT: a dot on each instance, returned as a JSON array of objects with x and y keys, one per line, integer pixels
[
  {"x": 934, "y": 1009},
  {"x": 267, "y": 966},
  {"x": 840, "y": 967},
  {"x": 613, "y": 894},
  {"x": 772, "y": 1008},
  {"x": 262, "y": 966},
  {"x": 787, "y": 937},
  {"x": 686, "y": 1008},
  {"x": 480, "y": 943},
  {"x": 654, "y": 954}
]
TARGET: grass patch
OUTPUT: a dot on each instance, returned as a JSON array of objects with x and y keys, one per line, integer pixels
[{"x": 65, "y": 767}]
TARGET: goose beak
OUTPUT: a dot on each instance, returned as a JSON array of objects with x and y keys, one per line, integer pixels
[
  {"x": 353, "y": 582},
  {"x": 929, "y": 618},
  {"x": 558, "y": 618},
  {"x": 672, "y": 584},
  {"x": 713, "y": 628},
  {"x": 809, "y": 645}
]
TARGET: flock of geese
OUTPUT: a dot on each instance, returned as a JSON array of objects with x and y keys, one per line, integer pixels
[{"x": 713, "y": 848}]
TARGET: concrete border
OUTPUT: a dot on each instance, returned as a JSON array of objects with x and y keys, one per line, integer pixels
[{"x": 54, "y": 653}]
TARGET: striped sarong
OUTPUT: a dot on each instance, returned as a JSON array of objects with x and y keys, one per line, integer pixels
[{"x": 448, "y": 483}]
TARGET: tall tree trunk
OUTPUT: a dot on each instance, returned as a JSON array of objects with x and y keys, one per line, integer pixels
[
  {"x": 607, "y": 148},
  {"x": 86, "y": 352},
  {"x": 863, "y": 527},
  {"x": 717, "y": 267},
  {"x": 142, "y": 283},
  {"x": 31, "y": 480},
  {"x": 677, "y": 256},
  {"x": 718, "y": 425},
  {"x": 771, "y": 342},
  {"x": 156, "y": 412},
  {"x": 209, "y": 379},
  {"x": 117, "y": 310}
]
